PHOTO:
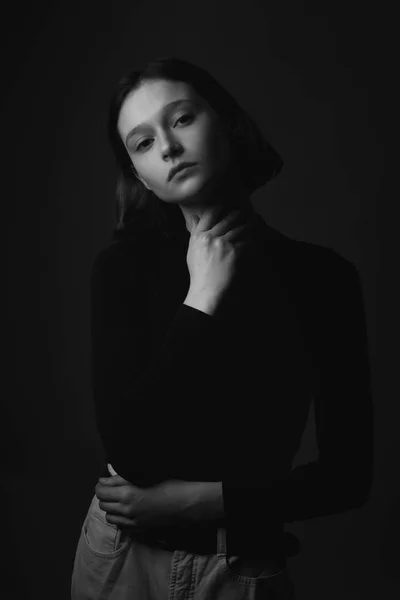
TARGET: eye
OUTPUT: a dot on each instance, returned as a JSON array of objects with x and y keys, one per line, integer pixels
[
  {"x": 141, "y": 144},
  {"x": 187, "y": 116},
  {"x": 184, "y": 117}
]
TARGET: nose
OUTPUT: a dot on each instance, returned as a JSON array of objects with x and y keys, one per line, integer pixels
[{"x": 170, "y": 147}]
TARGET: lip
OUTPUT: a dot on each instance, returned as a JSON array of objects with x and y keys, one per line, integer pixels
[{"x": 179, "y": 168}]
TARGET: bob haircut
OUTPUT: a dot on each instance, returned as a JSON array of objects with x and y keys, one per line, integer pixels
[{"x": 255, "y": 158}]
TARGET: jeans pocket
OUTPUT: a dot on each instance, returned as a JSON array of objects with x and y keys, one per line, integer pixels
[
  {"x": 248, "y": 570},
  {"x": 102, "y": 538}
]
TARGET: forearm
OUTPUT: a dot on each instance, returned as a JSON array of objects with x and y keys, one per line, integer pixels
[
  {"x": 206, "y": 302},
  {"x": 205, "y": 502}
]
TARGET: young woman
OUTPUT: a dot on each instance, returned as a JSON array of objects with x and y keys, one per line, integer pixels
[{"x": 211, "y": 334}]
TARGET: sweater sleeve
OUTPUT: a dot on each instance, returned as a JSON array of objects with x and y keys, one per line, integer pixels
[
  {"x": 341, "y": 478},
  {"x": 141, "y": 389}
]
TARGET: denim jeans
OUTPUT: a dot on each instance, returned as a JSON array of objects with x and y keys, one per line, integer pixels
[{"x": 110, "y": 564}]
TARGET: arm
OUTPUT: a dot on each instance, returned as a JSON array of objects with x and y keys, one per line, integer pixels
[
  {"x": 205, "y": 502},
  {"x": 341, "y": 478},
  {"x": 141, "y": 373}
]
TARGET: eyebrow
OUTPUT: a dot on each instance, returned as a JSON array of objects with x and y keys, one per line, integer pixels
[{"x": 168, "y": 106}]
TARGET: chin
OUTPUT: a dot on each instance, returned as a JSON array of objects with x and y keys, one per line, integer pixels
[{"x": 190, "y": 191}]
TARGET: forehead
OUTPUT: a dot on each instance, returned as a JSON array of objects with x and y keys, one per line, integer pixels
[{"x": 143, "y": 104}]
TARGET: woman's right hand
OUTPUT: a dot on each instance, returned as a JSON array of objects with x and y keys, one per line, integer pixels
[{"x": 213, "y": 252}]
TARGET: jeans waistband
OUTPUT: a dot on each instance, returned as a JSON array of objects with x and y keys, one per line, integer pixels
[
  {"x": 213, "y": 540},
  {"x": 192, "y": 539}
]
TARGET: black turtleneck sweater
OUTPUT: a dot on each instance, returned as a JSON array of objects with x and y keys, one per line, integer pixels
[{"x": 180, "y": 394}]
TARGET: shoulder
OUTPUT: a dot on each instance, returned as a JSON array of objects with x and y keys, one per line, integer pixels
[
  {"x": 327, "y": 288},
  {"x": 322, "y": 263},
  {"x": 326, "y": 283},
  {"x": 301, "y": 254},
  {"x": 306, "y": 265},
  {"x": 317, "y": 275}
]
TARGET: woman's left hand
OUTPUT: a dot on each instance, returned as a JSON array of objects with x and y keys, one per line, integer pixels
[{"x": 138, "y": 508}]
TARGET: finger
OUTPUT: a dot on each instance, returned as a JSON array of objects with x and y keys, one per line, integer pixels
[
  {"x": 238, "y": 232},
  {"x": 110, "y": 468},
  {"x": 134, "y": 525},
  {"x": 114, "y": 480},
  {"x": 244, "y": 247},
  {"x": 109, "y": 493},
  {"x": 224, "y": 225},
  {"x": 121, "y": 521},
  {"x": 208, "y": 219},
  {"x": 114, "y": 508},
  {"x": 193, "y": 221}
]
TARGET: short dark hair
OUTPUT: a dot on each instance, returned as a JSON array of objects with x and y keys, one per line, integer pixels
[{"x": 257, "y": 160}]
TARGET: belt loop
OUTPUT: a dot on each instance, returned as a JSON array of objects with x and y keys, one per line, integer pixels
[{"x": 221, "y": 542}]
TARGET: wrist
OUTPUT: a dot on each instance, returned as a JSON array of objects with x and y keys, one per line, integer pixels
[
  {"x": 204, "y": 301},
  {"x": 205, "y": 502}
]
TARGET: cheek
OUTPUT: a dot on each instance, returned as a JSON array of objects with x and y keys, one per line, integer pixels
[{"x": 150, "y": 172}]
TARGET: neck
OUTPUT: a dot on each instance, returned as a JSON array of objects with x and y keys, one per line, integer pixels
[{"x": 233, "y": 197}]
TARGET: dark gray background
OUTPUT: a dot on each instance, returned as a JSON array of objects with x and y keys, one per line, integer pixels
[{"x": 319, "y": 86}]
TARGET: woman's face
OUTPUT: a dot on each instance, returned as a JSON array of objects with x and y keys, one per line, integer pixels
[{"x": 164, "y": 123}]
